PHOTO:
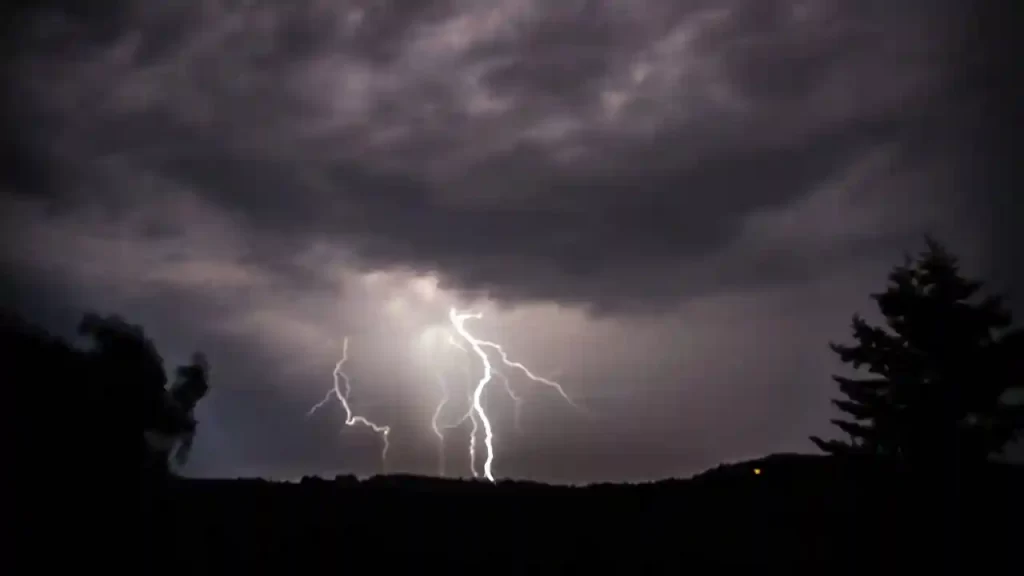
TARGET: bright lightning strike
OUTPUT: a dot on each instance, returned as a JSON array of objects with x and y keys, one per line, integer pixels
[
  {"x": 472, "y": 439},
  {"x": 350, "y": 419},
  {"x": 459, "y": 321},
  {"x": 516, "y": 399},
  {"x": 476, "y": 409},
  {"x": 529, "y": 374},
  {"x": 470, "y": 415},
  {"x": 439, "y": 429},
  {"x": 505, "y": 359}
]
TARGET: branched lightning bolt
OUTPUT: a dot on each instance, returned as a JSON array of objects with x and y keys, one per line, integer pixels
[
  {"x": 516, "y": 399},
  {"x": 350, "y": 419},
  {"x": 458, "y": 321},
  {"x": 529, "y": 374},
  {"x": 472, "y": 437},
  {"x": 439, "y": 428},
  {"x": 505, "y": 359},
  {"x": 471, "y": 416}
]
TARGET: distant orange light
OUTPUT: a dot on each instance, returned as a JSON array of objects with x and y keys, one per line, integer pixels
[{"x": 757, "y": 471}]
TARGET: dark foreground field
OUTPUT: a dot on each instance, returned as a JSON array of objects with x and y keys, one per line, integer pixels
[{"x": 807, "y": 513}]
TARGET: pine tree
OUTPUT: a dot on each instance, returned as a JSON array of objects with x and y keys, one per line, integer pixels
[{"x": 941, "y": 369}]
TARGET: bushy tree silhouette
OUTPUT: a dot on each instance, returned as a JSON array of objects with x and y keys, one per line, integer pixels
[
  {"x": 128, "y": 364},
  {"x": 941, "y": 370},
  {"x": 110, "y": 396}
]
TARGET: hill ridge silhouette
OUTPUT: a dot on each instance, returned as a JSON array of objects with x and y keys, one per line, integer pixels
[{"x": 800, "y": 513}]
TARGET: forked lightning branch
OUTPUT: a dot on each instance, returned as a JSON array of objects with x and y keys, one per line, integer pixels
[{"x": 477, "y": 348}]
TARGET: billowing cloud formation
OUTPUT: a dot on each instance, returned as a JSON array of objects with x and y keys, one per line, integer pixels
[
  {"x": 535, "y": 152},
  {"x": 289, "y": 170}
]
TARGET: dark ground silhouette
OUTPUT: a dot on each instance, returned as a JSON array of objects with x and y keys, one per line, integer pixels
[{"x": 808, "y": 513}]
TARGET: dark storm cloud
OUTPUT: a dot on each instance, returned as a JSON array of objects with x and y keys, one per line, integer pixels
[
  {"x": 214, "y": 100},
  {"x": 541, "y": 64}
]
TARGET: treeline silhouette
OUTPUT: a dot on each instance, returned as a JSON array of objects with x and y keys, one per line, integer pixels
[
  {"x": 912, "y": 487},
  {"x": 813, "y": 514}
]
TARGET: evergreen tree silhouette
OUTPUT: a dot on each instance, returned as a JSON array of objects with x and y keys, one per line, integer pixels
[{"x": 941, "y": 370}]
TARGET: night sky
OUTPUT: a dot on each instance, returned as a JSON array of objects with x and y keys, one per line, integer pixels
[{"x": 668, "y": 206}]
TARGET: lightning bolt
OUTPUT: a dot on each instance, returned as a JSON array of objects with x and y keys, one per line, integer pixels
[
  {"x": 517, "y": 400},
  {"x": 458, "y": 321},
  {"x": 530, "y": 375},
  {"x": 469, "y": 415},
  {"x": 472, "y": 437},
  {"x": 336, "y": 391},
  {"x": 439, "y": 428},
  {"x": 470, "y": 412},
  {"x": 508, "y": 388}
]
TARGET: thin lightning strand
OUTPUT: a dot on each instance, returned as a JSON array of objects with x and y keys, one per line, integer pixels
[
  {"x": 439, "y": 429},
  {"x": 505, "y": 359},
  {"x": 350, "y": 419},
  {"x": 472, "y": 438},
  {"x": 459, "y": 321},
  {"x": 531, "y": 375},
  {"x": 517, "y": 401},
  {"x": 471, "y": 416},
  {"x": 454, "y": 342},
  {"x": 470, "y": 413},
  {"x": 445, "y": 396}
]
